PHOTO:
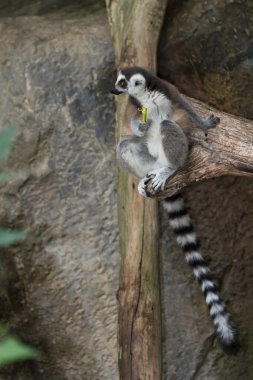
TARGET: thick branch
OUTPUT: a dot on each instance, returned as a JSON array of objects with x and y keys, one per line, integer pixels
[
  {"x": 135, "y": 27},
  {"x": 228, "y": 150}
]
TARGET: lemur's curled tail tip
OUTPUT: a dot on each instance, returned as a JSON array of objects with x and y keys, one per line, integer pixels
[
  {"x": 230, "y": 347},
  {"x": 187, "y": 239}
]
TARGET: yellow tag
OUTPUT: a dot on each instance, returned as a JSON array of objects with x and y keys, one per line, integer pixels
[{"x": 143, "y": 114}]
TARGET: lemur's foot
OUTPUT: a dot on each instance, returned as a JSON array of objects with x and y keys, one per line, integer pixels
[
  {"x": 159, "y": 177},
  {"x": 210, "y": 122},
  {"x": 142, "y": 186}
]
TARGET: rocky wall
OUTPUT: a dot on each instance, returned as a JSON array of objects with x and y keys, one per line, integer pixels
[{"x": 62, "y": 281}]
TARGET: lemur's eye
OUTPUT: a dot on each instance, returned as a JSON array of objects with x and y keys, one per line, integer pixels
[{"x": 137, "y": 83}]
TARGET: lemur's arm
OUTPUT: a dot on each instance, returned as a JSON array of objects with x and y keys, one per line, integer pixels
[
  {"x": 133, "y": 117},
  {"x": 180, "y": 102},
  {"x": 204, "y": 124}
]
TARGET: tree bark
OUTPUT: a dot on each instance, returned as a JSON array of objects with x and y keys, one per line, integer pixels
[
  {"x": 135, "y": 27},
  {"x": 228, "y": 150}
]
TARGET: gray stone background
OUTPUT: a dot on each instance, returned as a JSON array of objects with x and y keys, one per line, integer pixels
[{"x": 58, "y": 288}]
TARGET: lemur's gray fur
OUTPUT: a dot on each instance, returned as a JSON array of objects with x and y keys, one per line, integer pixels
[{"x": 153, "y": 153}]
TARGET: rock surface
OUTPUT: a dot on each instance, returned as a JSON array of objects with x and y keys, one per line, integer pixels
[
  {"x": 206, "y": 49},
  {"x": 55, "y": 80}
]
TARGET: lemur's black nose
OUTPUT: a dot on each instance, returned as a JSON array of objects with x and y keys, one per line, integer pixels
[{"x": 114, "y": 91}]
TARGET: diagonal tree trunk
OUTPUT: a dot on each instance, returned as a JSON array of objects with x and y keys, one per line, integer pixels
[{"x": 135, "y": 27}]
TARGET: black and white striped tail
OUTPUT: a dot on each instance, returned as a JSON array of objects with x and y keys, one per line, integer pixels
[{"x": 186, "y": 238}]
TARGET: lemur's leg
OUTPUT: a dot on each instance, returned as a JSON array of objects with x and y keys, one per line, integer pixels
[
  {"x": 175, "y": 148},
  {"x": 204, "y": 124},
  {"x": 134, "y": 157}
]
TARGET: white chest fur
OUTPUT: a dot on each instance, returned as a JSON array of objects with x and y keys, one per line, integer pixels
[
  {"x": 158, "y": 109},
  {"x": 158, "y": 105}
]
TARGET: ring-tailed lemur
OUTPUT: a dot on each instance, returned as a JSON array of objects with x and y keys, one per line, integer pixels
[{"x": 156, "y": 150}]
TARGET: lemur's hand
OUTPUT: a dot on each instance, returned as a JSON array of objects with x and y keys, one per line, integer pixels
[
  {"x": 139, "y": 128},
  {"x": 210, "y": 122},
  {"x": 143, "y": 127}
]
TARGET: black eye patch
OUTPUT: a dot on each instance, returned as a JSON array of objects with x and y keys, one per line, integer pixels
[
  {"x": 123, "y": 83},
  {"x": 137, "y": 83}
]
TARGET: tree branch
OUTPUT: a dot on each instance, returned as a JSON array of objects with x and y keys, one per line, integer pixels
[
  {"x": 228, "y": 150},
  {"x": 135, "y": 27}
]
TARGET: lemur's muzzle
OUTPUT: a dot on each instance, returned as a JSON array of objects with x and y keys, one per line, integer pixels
[{"x": 114, "y": 91}]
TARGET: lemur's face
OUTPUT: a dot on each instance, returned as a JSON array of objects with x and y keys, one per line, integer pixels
[{"x": 134, "y": 85}]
